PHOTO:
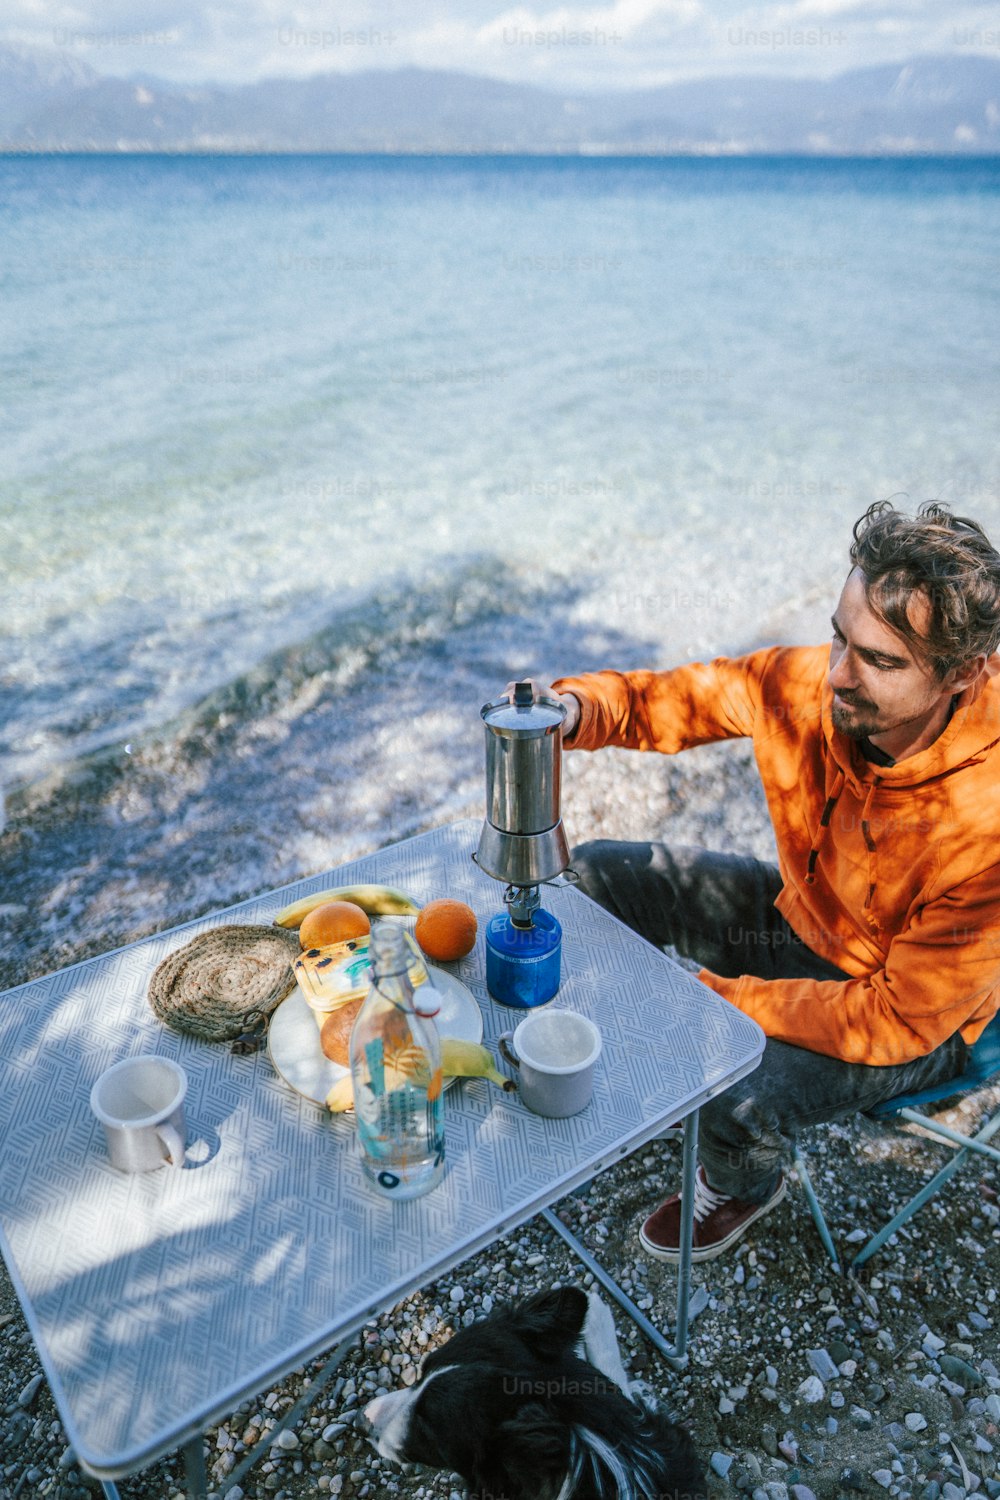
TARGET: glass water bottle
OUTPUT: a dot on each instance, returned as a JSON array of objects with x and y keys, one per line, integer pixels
[{"x": 396, "y": 1074}]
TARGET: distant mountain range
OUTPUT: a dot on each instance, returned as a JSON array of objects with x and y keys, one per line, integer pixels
[{"x": 51, "y": 101}]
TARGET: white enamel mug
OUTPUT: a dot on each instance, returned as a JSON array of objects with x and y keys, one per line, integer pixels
[
  {"x": 140, "y": 1103},
  {"x": 555, "y": 1053}
]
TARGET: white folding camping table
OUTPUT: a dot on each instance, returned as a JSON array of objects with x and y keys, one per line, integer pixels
[{"x": 159, "y": 1302}]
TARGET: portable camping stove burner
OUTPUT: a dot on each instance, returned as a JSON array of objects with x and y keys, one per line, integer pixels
[{"x": 523, "y": 843}]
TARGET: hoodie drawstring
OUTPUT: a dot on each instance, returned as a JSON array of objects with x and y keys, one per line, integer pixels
[
  {"x": 869, "y": 843},
  {"x": 824, "y": 823}
]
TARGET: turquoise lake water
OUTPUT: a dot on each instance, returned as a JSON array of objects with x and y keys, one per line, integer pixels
[{"x": 250, "y": 400}]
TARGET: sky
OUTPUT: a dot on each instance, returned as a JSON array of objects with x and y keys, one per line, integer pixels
[{"x": 620, "y": 44}]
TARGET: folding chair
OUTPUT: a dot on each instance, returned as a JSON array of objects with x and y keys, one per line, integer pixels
[{"x": 983, "y": 1066}]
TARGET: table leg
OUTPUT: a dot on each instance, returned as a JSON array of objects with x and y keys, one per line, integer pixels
[
  {"x": 110, "y": 1489},
  {"x": 689, "y": 1161},
  {"x": 675, "y": 1354},
  {"x": 195, "y": 1472}
]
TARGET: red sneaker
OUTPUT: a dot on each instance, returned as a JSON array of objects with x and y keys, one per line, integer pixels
[{"x": 719, "y": 1221}]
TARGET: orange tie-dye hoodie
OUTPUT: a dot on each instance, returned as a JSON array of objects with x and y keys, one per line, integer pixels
[{"x": 892, "y": 873}]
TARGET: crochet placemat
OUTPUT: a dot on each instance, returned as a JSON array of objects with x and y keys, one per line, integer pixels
[{"x": 207, "y": 987}]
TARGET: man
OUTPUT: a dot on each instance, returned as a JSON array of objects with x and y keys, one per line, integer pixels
[{"x": 871, "y": 955}]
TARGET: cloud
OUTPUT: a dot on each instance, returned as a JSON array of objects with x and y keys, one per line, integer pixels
[{"x": 617, "y": 43}]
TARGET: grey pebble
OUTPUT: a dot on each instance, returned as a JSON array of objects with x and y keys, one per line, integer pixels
[
  {"x": 960, "y": 1371},
  {"x": 30, "y": 1390},
  {"x": 811, "y": 1390},
  {"x": 823, "y": 1366}
]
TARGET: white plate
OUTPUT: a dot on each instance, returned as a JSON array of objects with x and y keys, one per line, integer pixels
[{"x": 298, "y": 1058}]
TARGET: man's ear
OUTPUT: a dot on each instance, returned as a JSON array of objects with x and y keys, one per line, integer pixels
[{"x": 957, "y": 679}]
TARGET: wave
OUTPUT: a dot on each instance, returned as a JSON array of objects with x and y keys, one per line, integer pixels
[{"x": 332, "y": 660}]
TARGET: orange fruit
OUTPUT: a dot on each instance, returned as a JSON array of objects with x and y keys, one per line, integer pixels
[
  {"x": 446, "y": 929},
  {"x": 333, "y": 922}
]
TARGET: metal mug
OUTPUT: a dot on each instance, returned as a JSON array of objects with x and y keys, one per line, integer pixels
[
  {"x": 555, "y": 1053},
  {"x": 140, "y": 1103}
]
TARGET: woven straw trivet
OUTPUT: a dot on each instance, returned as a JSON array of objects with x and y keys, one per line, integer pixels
[{"x": 207, "y": 987}]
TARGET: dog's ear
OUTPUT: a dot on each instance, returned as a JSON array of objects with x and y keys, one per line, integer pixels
[
  {"x": 532, "y": 1455},
  {"x": 550, "y": 1322}
]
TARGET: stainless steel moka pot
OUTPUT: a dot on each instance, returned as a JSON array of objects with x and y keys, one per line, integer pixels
[{"x": 523, "y": 843}]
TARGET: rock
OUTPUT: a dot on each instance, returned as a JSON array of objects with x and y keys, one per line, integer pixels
[
  {"x": 883, "y": 1477},
  {"x": 862, "y": 1418},
  {"x": 960, "y": 1371},
  {"x": 838, "y": 1352},
  {"x": 851, "y": 1479},
  {"x": 287, "y": 1440},
  {"x": 721, "y": 1463},
  {"x": 915, "y": 1421},
  {"x": 752, "y": 1465},
  {"x": 769, "y": 1440},
  {"x": 811, "y": 1390},
  {"x": 800, "y": 1492},
  {"x": 822, "y": 1363},
  {"x": 30, "y": 1391}
]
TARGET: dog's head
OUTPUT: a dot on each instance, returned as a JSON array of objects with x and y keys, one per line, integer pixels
[{"x": 509, "y": 1405}]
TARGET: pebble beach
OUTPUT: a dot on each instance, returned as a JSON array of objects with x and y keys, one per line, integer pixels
[{"x": 801, "y": 1382}]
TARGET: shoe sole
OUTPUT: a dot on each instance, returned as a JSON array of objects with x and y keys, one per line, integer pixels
[{"x": 721, "y": 1246}]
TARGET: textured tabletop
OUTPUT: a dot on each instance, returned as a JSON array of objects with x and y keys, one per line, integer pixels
[{"x": 158, "y": 1302}]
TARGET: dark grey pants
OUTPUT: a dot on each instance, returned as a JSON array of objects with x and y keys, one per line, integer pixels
[{"x": 718, "y": 909}]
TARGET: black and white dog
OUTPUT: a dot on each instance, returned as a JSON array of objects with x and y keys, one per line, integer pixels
[{"x": 533, "y": 1403}]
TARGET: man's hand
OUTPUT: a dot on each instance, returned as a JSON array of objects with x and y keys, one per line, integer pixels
[{"x": 544, "y": 689}]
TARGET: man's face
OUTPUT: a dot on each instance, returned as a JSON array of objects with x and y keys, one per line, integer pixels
[{"x": 881, "y": 689}]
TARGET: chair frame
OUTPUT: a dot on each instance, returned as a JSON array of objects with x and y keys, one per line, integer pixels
[{"x": 902, "y": 1108}]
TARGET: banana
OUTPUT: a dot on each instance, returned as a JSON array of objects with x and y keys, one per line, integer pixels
[
  {"x": 471, "y": 1060},
  {"x": 341, "y": 1096},
  {"x": 376, "y": 900},
  {"x": 458, "y": 1060}
]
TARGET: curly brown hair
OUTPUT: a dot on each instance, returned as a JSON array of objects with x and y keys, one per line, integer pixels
[{"x": 950, "y": 561}]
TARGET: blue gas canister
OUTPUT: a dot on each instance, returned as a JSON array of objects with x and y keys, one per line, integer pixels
[{"x": 523, "y": 962}]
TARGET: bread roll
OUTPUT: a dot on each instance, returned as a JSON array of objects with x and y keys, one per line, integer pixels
[{"x": 335, "y": 1036}]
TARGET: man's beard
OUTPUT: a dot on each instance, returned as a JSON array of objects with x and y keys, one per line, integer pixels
[{"x": 845, "y": 718}]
